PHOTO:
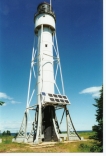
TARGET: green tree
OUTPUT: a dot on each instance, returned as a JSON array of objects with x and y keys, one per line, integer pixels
[
  {"x": 1, "y": 103},
  {"x": 6, "y": 133},
  {"x": 99, "y": 118}
]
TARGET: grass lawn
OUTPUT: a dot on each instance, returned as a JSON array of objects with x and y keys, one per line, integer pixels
[
  {"x": 86, "y": 134},
  {"x": 78, "y": 147}
]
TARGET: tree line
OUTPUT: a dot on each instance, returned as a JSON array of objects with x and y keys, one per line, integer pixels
[
  {"x": 6, "y": 133},
  {"x": 98, "y": 136}
]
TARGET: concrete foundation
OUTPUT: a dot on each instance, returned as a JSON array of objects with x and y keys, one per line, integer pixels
[{"x": 63, "y": 137}]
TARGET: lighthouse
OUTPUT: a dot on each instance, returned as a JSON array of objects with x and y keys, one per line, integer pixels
[
  {"x": 49, "y": 98},
  {"x": 44, "y": 21}
]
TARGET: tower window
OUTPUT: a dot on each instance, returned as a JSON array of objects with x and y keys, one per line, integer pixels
[{"x": 45, "y": 45}]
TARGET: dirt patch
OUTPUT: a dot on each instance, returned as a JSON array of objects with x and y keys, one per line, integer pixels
[{"x": 14, "y": 149}]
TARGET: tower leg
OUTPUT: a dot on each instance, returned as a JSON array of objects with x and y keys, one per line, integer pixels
[
  {"x": 25, "y": 140},
  {"x": 22, "y": 135},
  {"x": 67, "y": 122},
  {"x": 39, "y": 127},
  {"x": 71, "y": 132},
  {"x": 32, "y": 135}
]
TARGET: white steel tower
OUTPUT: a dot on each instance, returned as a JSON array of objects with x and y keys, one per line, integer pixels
[{"x": 45, "y": 58}]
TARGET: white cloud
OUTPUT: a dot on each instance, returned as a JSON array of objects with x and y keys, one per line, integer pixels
[
  {"x": 4, "y": 104},
  {"x": 94, "y": 91},
  {"x": 8, "y": 99},
  {"x": 15, "y": 102},
  {"x": 5, "y": 96},
  {"x": 97, "y": 94}
]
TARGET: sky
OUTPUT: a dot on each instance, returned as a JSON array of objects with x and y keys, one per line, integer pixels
[{"x": 79, "y": 29}]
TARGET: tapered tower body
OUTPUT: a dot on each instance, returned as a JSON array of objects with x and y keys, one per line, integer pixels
[
  {"x": 45, "y": 58},
  {"x": 44, "y": 21},
  {"x": 44, "y": 29}
]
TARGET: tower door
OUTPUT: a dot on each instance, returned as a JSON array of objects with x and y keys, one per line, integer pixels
[{"x": 49, "y": 131}]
